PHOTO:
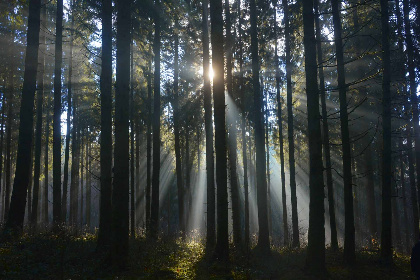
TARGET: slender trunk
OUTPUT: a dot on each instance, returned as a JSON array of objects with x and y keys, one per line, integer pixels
[
  {"x": 290, "y": 127},
  {"x": 315, "y": 259},
  {"x": 414, "y": 201},
  {"x": 404, "y": 196},
  {"x": 74, "y": 185},
  {"x": 154, "y": 212},
  {"x": 268, "y": 167},
  {"x": 69, "y": 91},
  {"x": 349, "y": 234},
  {"x": 211, "y": 207},
  {"x": 222, "y": 244},
  {"x": 370, "y": 194},
  {"x": 413, "y": 87},
  {"x": 88, "y": 184},
  {"x": 132, "y": 190},
  {"x": 263, "y": 238},
  {"x": 31, "y": 156},
  {"x": 46, "y": 161},
  {"x": 38, "y": 136},
  {"x": 18, "y": 201},
  {"x": 82, "y": 181},
  {"x": 232, "y": 145},
  {"x": 3, "y": 105},
  {"x": 140, "y": 194},
  {"x": 386, "y": 235},
  {"x": 178, "y": 160},
  {"x": 120, "y": 190},
  {"x": 104, "y": 235},
  {"x": 149, "y": 146},
  {"x": 325, "y": 133}
]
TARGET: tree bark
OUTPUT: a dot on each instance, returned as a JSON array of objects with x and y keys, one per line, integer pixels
[
  {"x": 386, "y": 231},
  {"x": 17, "y": 205},
  {"x": 222, "y": 243},
  {"x": 315, "y": 259},
  {"x": 154, "y": 212},
  {"x": 290, "y": 128},
  {"x": 106, "y": 128},
  {"x": 120, "y": 191},
  {"x": 263, "y": 238},
  {"x": 38, "y": 136},
  {"x": 132, "y": 159},
  {"x": 325, "y": 133}
]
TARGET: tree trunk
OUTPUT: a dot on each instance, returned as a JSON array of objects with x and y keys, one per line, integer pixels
[
  {"x": 132, "y": 170},
  {"x": 120, "y": 191},
  {"x": 211, "y": 207},
  {"x": 3, "y": 105},
  {"x": 154, "y": 213},
  {"x": 82, "y": 169},
  {"x": 263, "y": 238},
  {"x": 18, "y": 201},
  {"x": 290, "y": 128},
  {"x": 222, "y": 244},
  {"x": 74, "y": 185},
  {"x": 38, "y": 136},
  {"x": 414, "y": 201},
  {"x": 104, "y": 236},
  {"x": 69, "y": 91},
  {"x": 178, "y": 160},
  {"x": 46, "y": 161},
  {"x": 325, "y": 133},
  {"x": 232, "y": 143},
  {"x": 386, "y": 235},
  {"x": 88, "y": 184},
  {"x": 349, "y": 234},
  {"x": 149, "y": 147},
  {"x": 315, "y": 259},
  {"x": 370, "y": 194}
]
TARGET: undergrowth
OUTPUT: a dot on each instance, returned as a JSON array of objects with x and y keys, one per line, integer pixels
[{"x": 72, "y": 255}]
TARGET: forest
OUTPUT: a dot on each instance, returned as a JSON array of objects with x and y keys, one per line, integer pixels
[{"x": 187, "y": 139}]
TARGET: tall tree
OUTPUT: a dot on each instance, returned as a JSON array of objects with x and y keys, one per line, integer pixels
[
  {"x": 132, "y": 171},
  {"x": 106, "y": 127},
  {"x": 154, "y": 212},
  {"x": 40, "y": 100},
  {"x": 208, "y": 123},
  {"x": 315, "y": 259},
  {"x": 232, "y": 143},
  {"x": 120, "y": 190},
  {"x": 46, "y": 161},
  {"x": 57, "y": 115},
  {"x": 263, "y": 236},
  {"x": 17, "y": 205},
  {"x": 325, "y": 132},
  {"x": 386, "y": 233},
  {"x": 349, "y": 234},
  {"x": 178, "y": 160},
  {"x": 69, "y": 91},
  {"x": 290, "y": 127},
  {"x": 222, "y": 244}
]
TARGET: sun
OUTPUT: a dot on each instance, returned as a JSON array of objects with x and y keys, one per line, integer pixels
[{"x": 211, "y": 73}]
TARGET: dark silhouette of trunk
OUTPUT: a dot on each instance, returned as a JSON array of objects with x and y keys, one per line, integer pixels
[
  {"x": 349, "y": 232},
  {"x": 290, "y": 128},
  {"x": 386, "y": 235},
  {"x": 21, "y": 182},
  {"x": 325, "y": 132},
  {"x": 413, "y": 87},
  {"x": 106, "y": 128},
  {"x": 9, "y": 124},
  {"x": 74, "y": 185},
  {"x": 31, "y": 155},
  {"x": 187, "y": 169},
  {"x": 263, "y": 238},
  {"x": 404, "y": 201},
  {"x": 57, "y": 115},
  {"x": 243, "y": 125},
  {"x": 88, "y": 185},
  {"x": 38, "y": 136},
  {"x": 1, "y": 145},
  {"x": 154, "y": 211},
  {"x": 82, "y": 181},
  {"x": 267, "y": 148},
  {"x": 149, "y": 147},
  {"x": 140, "y": 194},
  {"x": 414, "y": 201},
  {"x": 120, "y": 190},
  {"x": 132, "y": 170},
  {"x": 46, "y": 161},
  {"x": 315, "y": 259},
  {"x": 222, "y": 243},
  {"x": 67, "y": 150},
  {"x": 280, "y": 127},
  {"x": 232, "y": 143},
  {"x": 370, "y": 194},
  {"x": 211, "y": 194},
  {"x": 178, "y": 160}
]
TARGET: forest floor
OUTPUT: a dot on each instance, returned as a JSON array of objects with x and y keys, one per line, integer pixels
[{"x": 73, "y": 256}]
